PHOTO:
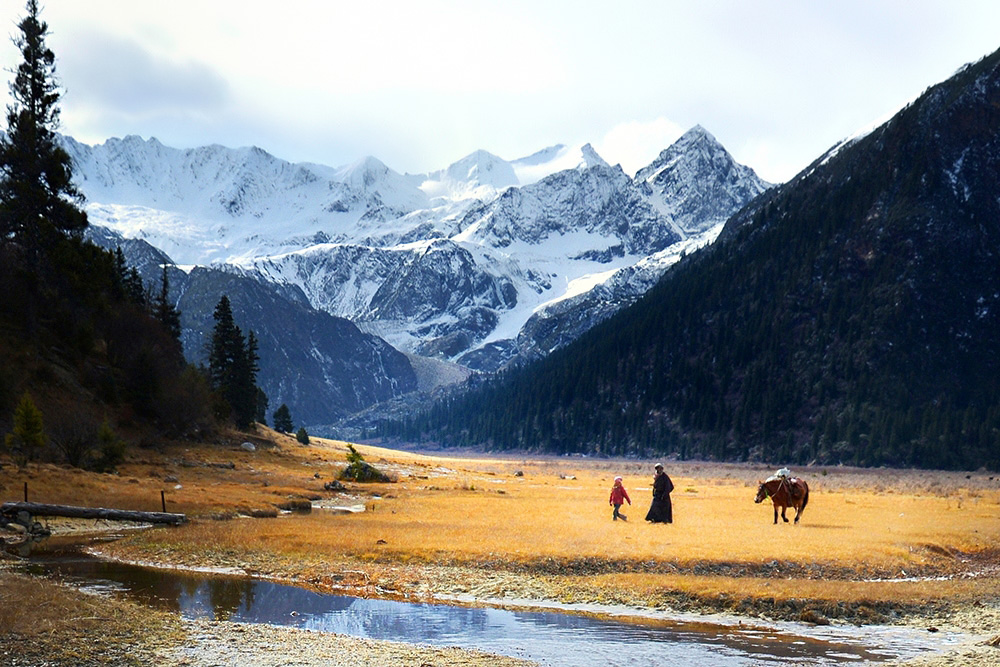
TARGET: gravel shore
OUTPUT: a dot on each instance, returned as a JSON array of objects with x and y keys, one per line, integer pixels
[
  {"x": 214, "y": 644},
  {"x": 211, "y": 644}
]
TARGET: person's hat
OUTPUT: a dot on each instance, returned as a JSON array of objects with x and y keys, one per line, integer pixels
[
  {"x": 618, "y": 479},
  {"x": 658, "y": 465}
]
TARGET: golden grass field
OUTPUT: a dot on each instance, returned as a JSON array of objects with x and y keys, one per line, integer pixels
[{"x": 871, "y": 543}]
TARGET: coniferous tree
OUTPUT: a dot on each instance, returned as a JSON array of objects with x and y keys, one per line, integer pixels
[
  {"x": 129, "y": 281},
  {"x": 244, "y": 391},
  {"x": 37, "y": 196},
  {"x": 28, "y": 437},
  {"x": 252, "y": 360},
  {"x": 111, "y": 448},
  {"x": 226, "y": 344},
  {"x": 164, "y": 311},
  {"x": 233, "y": 365},
  {"x": 283, "y": 419},
  {"x": 262, "y": 402}
]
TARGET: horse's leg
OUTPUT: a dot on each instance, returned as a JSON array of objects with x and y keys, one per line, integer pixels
[
  {"x": 775, "y": 505},
  {"x": 798, "y": 511},
  {"x": 783, "y": 517}
]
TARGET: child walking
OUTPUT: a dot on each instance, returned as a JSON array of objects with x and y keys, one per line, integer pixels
[{"x": 618, "y": 496}]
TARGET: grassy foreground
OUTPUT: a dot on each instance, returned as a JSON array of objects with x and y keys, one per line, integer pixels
[{"x": 873, "y": 545}]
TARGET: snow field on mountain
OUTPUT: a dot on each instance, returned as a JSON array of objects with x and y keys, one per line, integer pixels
[{"x": 445, "y": 262}]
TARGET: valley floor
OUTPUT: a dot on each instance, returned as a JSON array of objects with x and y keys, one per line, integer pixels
[{"x": 873, "y": 547}]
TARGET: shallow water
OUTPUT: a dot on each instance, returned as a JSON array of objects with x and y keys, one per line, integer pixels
[{"x": 548, "y": 637}]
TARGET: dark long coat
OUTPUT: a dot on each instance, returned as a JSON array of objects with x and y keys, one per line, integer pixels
[{"x": 661, "y": 511}]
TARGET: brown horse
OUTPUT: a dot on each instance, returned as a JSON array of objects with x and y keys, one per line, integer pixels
[{"x": 784, "y": 492}]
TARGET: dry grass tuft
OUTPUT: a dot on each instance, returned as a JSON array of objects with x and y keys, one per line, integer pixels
[{"x": 42, "y": 622}]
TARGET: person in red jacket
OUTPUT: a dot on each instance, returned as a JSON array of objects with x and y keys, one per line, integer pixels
[{"x": 618, "y": 496}]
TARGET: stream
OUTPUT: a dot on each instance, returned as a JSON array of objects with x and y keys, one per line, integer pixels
[{"x": 570, "y": 636}]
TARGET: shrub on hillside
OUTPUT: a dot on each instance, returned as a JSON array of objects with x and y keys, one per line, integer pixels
[
  {"x": 27, "y": 439},
  {"x": 360, "y": 471}
]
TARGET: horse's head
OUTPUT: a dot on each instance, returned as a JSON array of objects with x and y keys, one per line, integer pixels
[{"x": 761, "y": 493}]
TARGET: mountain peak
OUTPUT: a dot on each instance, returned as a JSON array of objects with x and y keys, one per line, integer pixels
[
  {"x": 368, "y": 163},
  {"x": 695, "y": 139},
  {"x": 136, "y": 139},
  {"x": 482, "y": 168},
  {"x": 363, "y": 173},
  {"x": 697, "y": 162},
  {"x": 539, "y": 157},
  {"x": 478, "y": 175},
  {"x": 697, "y": 133},
  {"x": 590, "y": 158}
]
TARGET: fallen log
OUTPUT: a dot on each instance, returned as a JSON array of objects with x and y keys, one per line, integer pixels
[{"x": 12, "y": 510}]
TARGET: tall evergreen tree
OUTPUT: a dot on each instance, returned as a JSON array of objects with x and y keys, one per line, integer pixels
[
  {"x": 128, "y": 281},
  {"x": 37, "y": 196},
  {"x": 232, "y": 364},
  {"x": 164, "y": 311},
  {"x": 283, "y": 420},
  {"x": 244, "y": 390},
  {"x": 262, "y": 402},
  {"x": 252, "y": 358},
  {"x": 28, "y": 437},
  {"x": 226, "y": 344}
]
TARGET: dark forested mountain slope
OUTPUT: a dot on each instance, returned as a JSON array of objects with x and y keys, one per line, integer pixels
[
  {"x": 323, "y": 367},
  {"x": 851, "y": 315}
]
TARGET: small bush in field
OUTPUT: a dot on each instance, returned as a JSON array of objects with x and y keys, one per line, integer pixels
[
  {"x": 28, "y": 437},
  {"x": 302, "y": 436},
  {"x": 360, "y": 471},
  {"x": 110, "y": 448}
]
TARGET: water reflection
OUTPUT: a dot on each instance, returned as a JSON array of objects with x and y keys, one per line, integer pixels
[{"x": 550, "y": 638}]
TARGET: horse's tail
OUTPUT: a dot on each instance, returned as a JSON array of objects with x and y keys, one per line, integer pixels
[{"x": 805, "y": 498}]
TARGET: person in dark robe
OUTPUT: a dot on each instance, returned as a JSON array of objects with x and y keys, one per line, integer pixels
[{"x": 661, "y": 510}]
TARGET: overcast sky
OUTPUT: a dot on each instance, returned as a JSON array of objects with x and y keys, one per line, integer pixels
[{"x": 421, "y": 83}]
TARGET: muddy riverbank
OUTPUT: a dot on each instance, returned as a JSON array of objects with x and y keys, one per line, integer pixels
[{"x": 964, "y": 633}]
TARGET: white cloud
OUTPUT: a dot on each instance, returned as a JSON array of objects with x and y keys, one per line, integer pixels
[
  {"x": 118, "y": 75},
  {"x": 421, "y": 84}
]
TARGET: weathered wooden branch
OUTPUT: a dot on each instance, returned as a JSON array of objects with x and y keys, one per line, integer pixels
[{"x": 11, "y": 511}]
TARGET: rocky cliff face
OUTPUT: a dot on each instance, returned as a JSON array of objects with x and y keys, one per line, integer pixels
[{"x": 696, "y": 183}]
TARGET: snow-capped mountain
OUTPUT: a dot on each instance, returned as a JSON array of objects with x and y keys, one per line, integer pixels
[
  {"x": 215, "y": 205},
  {"x": 548, "y": 161},
  {"x": 696, "y": 180},
  {"x": 480, "y": 263},
  {"x": 480, "y": 175}
]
